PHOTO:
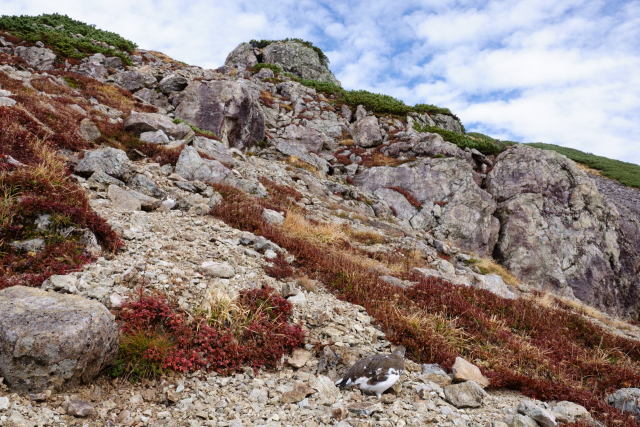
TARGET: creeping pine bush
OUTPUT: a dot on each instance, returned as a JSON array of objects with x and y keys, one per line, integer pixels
[
  {"x": 68, "y": 37},
  {"x": 375, "y": 102},
  {"x": 544, "y": 352},
  {"x": 480, "y": 142},
  {"x": 157, "y": 337}
]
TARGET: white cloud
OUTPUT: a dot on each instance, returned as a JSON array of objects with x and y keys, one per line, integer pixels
[{"x": 563, "y": 72}]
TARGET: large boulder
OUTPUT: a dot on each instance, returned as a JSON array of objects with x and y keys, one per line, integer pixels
[
  {"x": 151, "y": 122},
  {"x": 112, "y": 161},
  {"x": 557, "y": 231},
  {"x": 50, "y": 340},
  {"x": 411, "y": 144},
  {"x": 627, "y": 201},
  {"x": 39, "y": 58},
  {"x": 193, "y": 167},
  {"x": 293, "y": 56},
  {"x": 243, "y": 56},
  {"x": 230, "y": 109},
  {"x": 453, "y": 206},
  {"x": 366, "y": 132},
  {"x": 133, "y": 80}
]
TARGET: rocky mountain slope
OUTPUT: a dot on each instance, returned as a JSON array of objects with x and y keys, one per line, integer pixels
[{"x": 379, "y": 222}]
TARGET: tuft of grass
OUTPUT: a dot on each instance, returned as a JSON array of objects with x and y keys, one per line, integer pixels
[
  {"x": 368, "y": 237},
  {"x": 482, "y": 143},
  {"x": 489, "y": 266},
  {"x": 297, "y": 225},
  {"x": 59, "y": 32},
  {"x": 623, "y": 172}
]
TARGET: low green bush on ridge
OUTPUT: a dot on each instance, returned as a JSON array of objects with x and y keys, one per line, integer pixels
[{"x": 60, "y": 33}]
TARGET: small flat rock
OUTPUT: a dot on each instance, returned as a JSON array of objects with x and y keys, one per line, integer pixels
[
  {"x": 626, "y": 400},
  {"x": 259, "y": 395},
  {"x": 465, "y": 395},
  {"x": 123, "y": 199},
  {"x": 222, "y": 270},
  {"x": 539, "y": 411},
  {"x": 569, "y": 412},
  {"x": 272, "y": 217},
  {"x": 365, "y": 409},
  {"x": 429, "y": 389},
  {"x": 435, "y": 373},
  {"x": 4, "y": 403},
  {"x": 466, "y": 371},
  {"x": 297, "y": 393},
  {"x": 80, "y": 408},
  {"x": 328, "y": 393},
  {"x": 299, "y": 358},
  {"x": 519, "y": 420}
]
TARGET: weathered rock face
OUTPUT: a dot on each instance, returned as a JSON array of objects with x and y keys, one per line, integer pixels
[
  {"x": 366, "y": 132},
  {"x": 557, "y": 230},
  {"x": 151, "y": 122},
  {"x": 50, "y": 340},
  {"x": 192, "y": 167},
  {"x": 111, "y": 161},
  {"x": 227, "y": 108},
  {"x": 627, "y": 201},
  {"x": 39, "y": 58},
  {"x": 292, "y": 56},
  {"x": 454, "y": 207},
  {"x": 244, "y": 55}
]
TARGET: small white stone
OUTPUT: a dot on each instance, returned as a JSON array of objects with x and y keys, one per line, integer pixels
[{"x": 4, "y": 403}]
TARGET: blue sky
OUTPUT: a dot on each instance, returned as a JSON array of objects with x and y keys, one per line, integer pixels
[{"x": 557, "y": 71}]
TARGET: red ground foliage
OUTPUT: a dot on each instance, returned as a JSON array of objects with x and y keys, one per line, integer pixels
[
  {"x": 407, "y": 195},
  {"x": 165, "y": 339},
  {"x": 550, "y": 354}
]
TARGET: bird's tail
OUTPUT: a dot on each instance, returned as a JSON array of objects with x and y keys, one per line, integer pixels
[{"x": 343, "y": 382}]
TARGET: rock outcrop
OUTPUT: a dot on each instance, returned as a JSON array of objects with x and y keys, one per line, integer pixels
[
  {"x": 229, "y": 109},
  {"x": 292, "y": 55},
  {"x": 50, "y": 340},
  {"x": 451, "y": 203},
  {"x": 557, "y": 231}
]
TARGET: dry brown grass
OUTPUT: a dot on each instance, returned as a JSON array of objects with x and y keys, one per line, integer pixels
[
  {"x": 347, "y": 142},
  {"x": 296, "y": 162},
  {"x": 550, "y": 300},
  {"x": 589, "y": 170},
  {"x": 379, "y": 159},
  {"x": 489, "y": 266},
  {"x": 307, "y": 284},
  {"x": 295, "y": 224},
  {"x": 368, "y": 237}
]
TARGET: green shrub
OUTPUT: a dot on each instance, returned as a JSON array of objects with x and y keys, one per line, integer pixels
[
  {"x": 483, "y": 143},
  {"x": 375, "y": 102},
  {"x": 59, "y": 32},
  {"x": 273, "y": 67},
  {"x": 264, "y": 43},
  {"x": 623, "y": 172}
]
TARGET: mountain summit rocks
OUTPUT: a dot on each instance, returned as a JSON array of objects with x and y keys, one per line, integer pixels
[{"x": 292, "y": 55}]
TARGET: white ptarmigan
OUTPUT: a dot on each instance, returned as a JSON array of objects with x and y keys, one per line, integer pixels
[{"x": 375, "y": 374}]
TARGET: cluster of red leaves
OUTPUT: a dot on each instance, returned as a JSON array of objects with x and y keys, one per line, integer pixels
[
  {"x": 543, "y": 352},
  {"x": 31, "y": 189},
  {"x": 196, "y": 345},
  {"x": 279, "y": 268},
  {"x": 407, "y": 195}
]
